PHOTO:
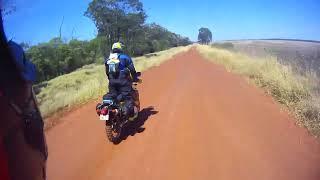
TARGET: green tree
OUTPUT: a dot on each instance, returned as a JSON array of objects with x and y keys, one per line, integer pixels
[
  {"x": 124, "y": 20},
  {"x": 161, "y": 38},
  {"x": 57, "y": 57},
  {"x": 204, "y": 36},
  {"x": 117, "y": 19}
]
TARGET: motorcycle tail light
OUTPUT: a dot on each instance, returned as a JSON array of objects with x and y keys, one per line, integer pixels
[{"x": 104, "y": 111}]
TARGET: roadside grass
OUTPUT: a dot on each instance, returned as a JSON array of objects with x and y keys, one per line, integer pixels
[
  {"x": 300, "y": 93},
  {"x": 224, "y": 45},
  {"x": 88, "y": 83}
]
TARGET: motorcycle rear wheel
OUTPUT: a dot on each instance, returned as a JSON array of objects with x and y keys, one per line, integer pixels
[{"x": 113, "y": 135}]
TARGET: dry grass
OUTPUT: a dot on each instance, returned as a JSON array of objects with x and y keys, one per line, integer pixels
[
  {"x": 89, "y": 83},
  {"x": 295, "y": 91}
]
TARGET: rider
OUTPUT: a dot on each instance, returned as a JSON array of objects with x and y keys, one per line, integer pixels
[{"x": 121, "y": 74}]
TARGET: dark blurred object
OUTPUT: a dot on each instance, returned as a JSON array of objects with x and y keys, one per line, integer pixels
[{"x": 23, "y": 152}]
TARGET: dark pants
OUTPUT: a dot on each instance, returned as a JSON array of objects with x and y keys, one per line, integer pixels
[{"x": 121, "y": 90}]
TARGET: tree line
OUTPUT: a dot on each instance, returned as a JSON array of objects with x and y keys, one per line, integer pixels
[{"x": 116, "y": 20}]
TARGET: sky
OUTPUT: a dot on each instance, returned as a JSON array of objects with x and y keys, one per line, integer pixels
[{"x": 39, "y": 20}]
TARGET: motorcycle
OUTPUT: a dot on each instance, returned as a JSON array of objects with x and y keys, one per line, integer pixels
[{"x": 110, "y": 112}]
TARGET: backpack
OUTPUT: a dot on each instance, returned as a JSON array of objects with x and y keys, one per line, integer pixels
[{"x": 113, "y": 63}]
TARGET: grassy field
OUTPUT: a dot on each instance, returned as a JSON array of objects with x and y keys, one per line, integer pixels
[
  {"x": 88, "y": 83},
  {"x": 302, "y": 56},
  {"x": 297, "y": 92}
]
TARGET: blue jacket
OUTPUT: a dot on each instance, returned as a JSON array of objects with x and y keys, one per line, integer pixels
[
  {"x": 26, "y": 67},
  {"x": 126, "y": 67}
]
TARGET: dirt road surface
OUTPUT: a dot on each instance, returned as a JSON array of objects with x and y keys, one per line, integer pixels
[{"x": 198, "y": 122}]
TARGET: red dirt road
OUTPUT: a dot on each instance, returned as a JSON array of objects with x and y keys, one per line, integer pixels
[{"x": 206, "y": 124}]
